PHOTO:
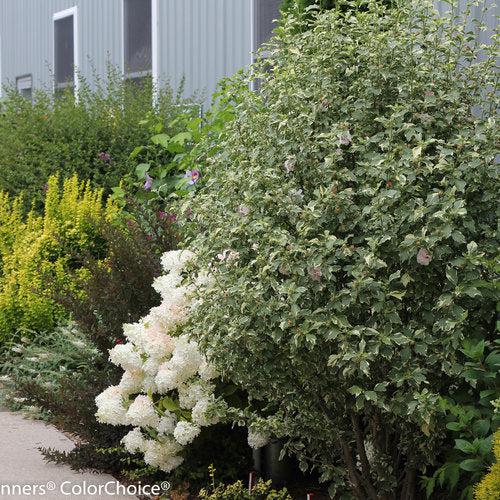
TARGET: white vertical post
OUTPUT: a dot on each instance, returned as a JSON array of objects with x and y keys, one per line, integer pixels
[{"x": 155, "y": 49}]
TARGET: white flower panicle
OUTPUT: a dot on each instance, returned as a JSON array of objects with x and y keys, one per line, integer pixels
[
  {"x": 142, "y": 412},
  {"x": 159, "y": 363},
  {"x": 134, "y": 441},
  {"x": 185, "y": 432},
  {"x": 257, "y": 440},
  {"x": 126, "y": 356},
  {"x": 200, "y": 411},
  {"x": 110, "y": 408}
]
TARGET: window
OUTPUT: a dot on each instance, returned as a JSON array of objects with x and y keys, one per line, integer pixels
[
  {"x": 65, "y": 50},
  {"x": 265, "y": 14},
  {"x": 24, "y": 85},
  {"x": 137, "y": 31}
]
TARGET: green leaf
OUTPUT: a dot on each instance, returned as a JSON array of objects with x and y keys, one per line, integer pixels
[
  {"x": 429, "y": 488},
  {"x": 141, "y": 170},
  {"x": 169, "y": 404},
  {"x": 452, "y": 474},
  {"x": 354, "y": 390},
  {"x": 485, "y": 445},
  {"x": 161, "y": 139},
  {"x": 471, "y": 465},
  {"x": 118, "y": 192},
  {"x": 332, "y": 334},
  {"x": 135, "y": 152},
  {"x": 177, "y": 143},
  {"x": 481, "y": 427},
  {"x": 371, "y": 396},
  {"x": 463, "y": 445},
  {"x": 493, "y": 360}
]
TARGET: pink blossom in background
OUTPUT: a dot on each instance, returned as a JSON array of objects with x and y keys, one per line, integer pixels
[{"x": 424, "y": 258}]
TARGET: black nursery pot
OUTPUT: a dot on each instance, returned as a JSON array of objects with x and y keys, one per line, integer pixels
[{"x": 269, "y": 466}]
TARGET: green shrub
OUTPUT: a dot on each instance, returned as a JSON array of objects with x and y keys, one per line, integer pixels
[
  {"x": 170, "y": 166},
  {"x": 310, "y": 8},
  {"x": 239, "y": 491},
  {"x": 471, "y": 420},
  {"x": 302, "y": 5},
  {"x": 349, "y": 221},
  {"x": 92, "y": 137},
  {"x": 37, "y": 254}
]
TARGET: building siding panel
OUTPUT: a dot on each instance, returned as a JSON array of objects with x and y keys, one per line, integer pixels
[
  {"x": 199, "y": 43},
  {"x": 199, "y": 40}
]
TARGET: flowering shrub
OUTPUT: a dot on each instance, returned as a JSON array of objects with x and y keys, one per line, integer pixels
[
  {"x": 113, "y": 290},
  {"x": 172, "y": 164},
  {"x": 167, "y": 390},
  {"x": 349, "y": 219}
]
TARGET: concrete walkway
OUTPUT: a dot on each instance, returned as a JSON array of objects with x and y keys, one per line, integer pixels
[{"x": 21, "y": 464}]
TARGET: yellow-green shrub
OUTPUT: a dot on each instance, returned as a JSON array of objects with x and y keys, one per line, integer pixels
[
  {"x": 36, "y": 252},
  {"x": 489, "y": 487}
]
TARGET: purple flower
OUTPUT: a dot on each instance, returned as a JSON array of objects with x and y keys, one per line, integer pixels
[
  {"x": 193, "y": 176},
  {"x": 172, "y": 218},
  {"x": 162, "y": 215},
  {"x": 149, "y": 182},
  {"x": 104, "y": 156}
]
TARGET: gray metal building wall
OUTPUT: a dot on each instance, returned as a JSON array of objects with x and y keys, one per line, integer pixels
[
  {"x": 26, "y": 33},
  {"x": 204, "y": 40},
  {"x": 201, "y": 40}
]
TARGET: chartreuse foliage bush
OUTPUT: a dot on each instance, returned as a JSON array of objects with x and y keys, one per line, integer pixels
[
  {"x": 489, "y": 487},
  {"x": 92, "y": 137},
  {"x": 349, "y": 220},
  {"x": 239, "y": 491},
  {"x": 39, "y": 251}
]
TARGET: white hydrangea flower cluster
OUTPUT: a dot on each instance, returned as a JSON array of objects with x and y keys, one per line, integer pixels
[{"x": 159, "y": 364}]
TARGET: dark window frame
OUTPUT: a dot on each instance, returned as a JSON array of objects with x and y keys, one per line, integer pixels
[
  {"x": 137, "y": 69},
  {"x": 72, "y": 81},
  {"x": 20, "y": 87}
]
